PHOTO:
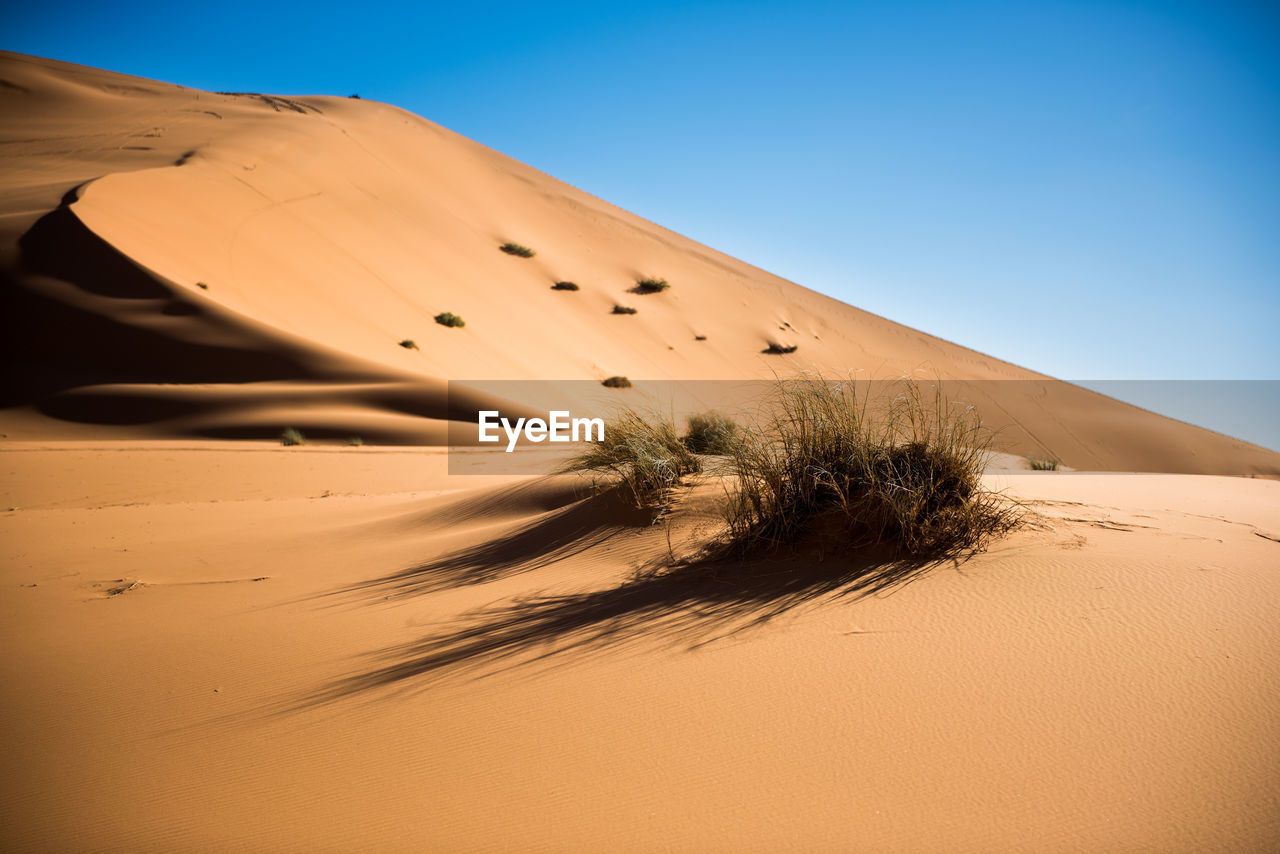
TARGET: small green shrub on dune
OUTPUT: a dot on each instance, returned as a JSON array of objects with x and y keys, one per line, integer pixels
[
  {"x": 290, "y": 436},
  {"x": 564, "y": 286},
  {"x": 202, "y": 286},
  {"x": 517, "y": 250},
  {"x": 409, "y": 344},
  {"x": 710, "y": 433},
  {"x": 650, "y": 285},
  {"x": 1043, "y": 464},
  {"x": 616, "y": 382},
  {"x": 448, "y": 318},
  {"x": 623, "y": 309},
  {"x": 905, "y": 472},
  {"x": 643, "y": 454}
]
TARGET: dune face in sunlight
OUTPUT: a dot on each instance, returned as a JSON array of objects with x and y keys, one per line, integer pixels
[
  {"x": 321, "y": 636},
  {"x": 183, "y": 263}
]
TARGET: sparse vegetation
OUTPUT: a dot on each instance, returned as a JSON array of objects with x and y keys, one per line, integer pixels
[
  {"x": 354, "y": 95},
  {"x": 1038, "y": 464},
  {"x": 699, "y": 338},
  {"x": 355, "y": 441},
  {"x": 904, "y": 472},
  {"x": 777, "y": 349},
  {"x": 616, "y": 382},
  {"x": 710, "y": 433},
  {"x": 643, "y": 453},
  {"x": 517, "y": 250},
  {"x": 409, "y": 344},
  {"x": 202, "y": 286},
  {"x": 448, "y": 318},
  {"x": 623, "y": 309},
  {"x": 650, "y": 285},
  {"x": 290, "y": 436},
  {"x": 564, "y": 286}
]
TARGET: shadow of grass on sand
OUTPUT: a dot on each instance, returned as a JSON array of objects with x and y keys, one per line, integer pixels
[
  {"x": 559, "y": 534},
  {"x": 693, "y": 602}
]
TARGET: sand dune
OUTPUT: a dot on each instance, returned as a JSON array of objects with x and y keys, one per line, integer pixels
[
  {"x": 232, "y": 645},
  {"x": 185, "y": 263}
]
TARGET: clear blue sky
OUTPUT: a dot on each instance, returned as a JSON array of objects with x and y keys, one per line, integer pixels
[{"x": 1090, "y": 189}]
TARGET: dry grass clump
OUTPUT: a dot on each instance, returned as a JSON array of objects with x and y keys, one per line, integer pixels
[
  {"x": 409, "y": 344},
  {"x": 1043, "y": 465},
  {"x": 650, "y": 285},
  {"x": 623, "y": 309},
  {"x": 565, "y": 286},
  {"x": 290, "y": 436},
  {"x": 517, "y": 250},
  {"x": 643, "y": 453},
  {"x": 828, "y": 461},
  {"x": 776, "y": 349},
  {"x": 616, "y": 382},
  {"x": 710, "y": 433},
  {"x": 448, "y": 318}
]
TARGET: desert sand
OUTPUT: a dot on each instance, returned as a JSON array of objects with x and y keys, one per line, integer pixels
[{"x": 214, "y": 642}]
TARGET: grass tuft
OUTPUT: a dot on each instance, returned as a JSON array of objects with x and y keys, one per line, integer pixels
[
  {"x": 699, "y": 338},
  {"x": 710, "y": 433},
  {"x": 517, "y": 250},
  {"x": 565, "y": 286},
  {"x": 409, "y": 344},
  {"x": 623, "y": 309},
  {"x": 777, "y": 349},
  {"x": 904, "y": 471},
  {"x": 1043, "y": 464},
  {"x": 616, "y": 382},
  {"x": 448, "y": 318},
  {"x": 643, "y": 453},
  {"x": 202, "y": 286},
  {"x": 355, "y": 441},
  {"x": 650, "y": 285},
  {"x": 290, "y": 436}
]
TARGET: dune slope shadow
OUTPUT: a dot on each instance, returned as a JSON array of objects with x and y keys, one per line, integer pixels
[{"x": 694, "y": 603}]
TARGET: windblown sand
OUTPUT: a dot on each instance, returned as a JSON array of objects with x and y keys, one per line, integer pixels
[{"x": 232, "y": 645}]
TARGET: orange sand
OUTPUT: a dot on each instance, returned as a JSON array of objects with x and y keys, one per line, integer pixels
[{"x": 215, "y": 645}]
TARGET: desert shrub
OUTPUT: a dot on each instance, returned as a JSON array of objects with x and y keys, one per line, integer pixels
[
  {"x": 290, "y": 436},
  {"x": 409, "y": 344},
  {"x": 699, "y": 338},
  {"x": 1043, "y": 464},
  {"x": 354, "y": 95},
  {"x": 903, "y": 471},
  {"x": 642, "y": 453},
  {"x": 777, "y": 349},
  {"x": 710, "y": 433},
  {"x": 355, "y": 441},
  {"x": 564, "y": 286},
  {"x": 448, "y": 318},
  {"x": 616, "y": 382},
  {"x": 650, "y": 285},
  {"x": 517, "y": 250},
  {"x": 202, "y": 286},
  {"x": 623, "y": 309}
]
